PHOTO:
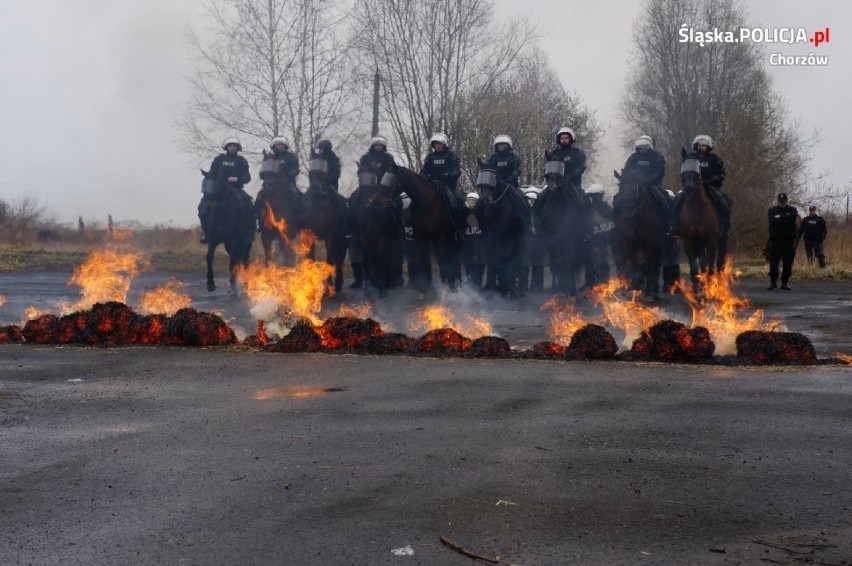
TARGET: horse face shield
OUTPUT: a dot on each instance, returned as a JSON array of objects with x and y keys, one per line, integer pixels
[
  {"x": 388, "y": 181},
  {"x": 690, "y": 173},
  {"x": 269, "y": 168},
  {"x": 367, "y": 179},
  {"x": 486, "y": 179},
  {"x": 554, "y": 172}
]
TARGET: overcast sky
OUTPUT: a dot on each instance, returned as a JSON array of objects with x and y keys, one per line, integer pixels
[{"x": 90, "y": 91}]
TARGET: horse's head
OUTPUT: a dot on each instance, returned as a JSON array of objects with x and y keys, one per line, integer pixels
[
  {"x": 270, "y": 168},
  {"x": 629, "y": 183},
  {"x": 690, "y": 172},
  {"x": 318, "y": 175},
  {"x": 486, "y": 182},
  {"x": 554, "y": 174}
]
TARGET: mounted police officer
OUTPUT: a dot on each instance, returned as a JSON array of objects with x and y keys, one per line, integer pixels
[
  {"x": 504, "y": 161},
  {"x": 324, "y": 151},
  {"x": 230, "y": 171},
  {"x": 712, "y": 176},
  {"x": 573, "y": 157},
  {"x": 289, "y": 161},
  {"x": 442, "y": 167},
  {"x": 649, "y": 166}
]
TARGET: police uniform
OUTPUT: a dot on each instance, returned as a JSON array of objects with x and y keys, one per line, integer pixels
[
  {"x": 782, "y": 241},
  {"x": 813, "y": 231},
  {"x": 507, "y": 165}
]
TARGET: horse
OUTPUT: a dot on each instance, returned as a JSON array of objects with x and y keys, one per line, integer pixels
[
  {"x": 377, "y": 228},
  {"x": 277, "y": 206},
  {"x": 699, "y": 223},
  {"x": 434, "y": 226},
  {"x": 504, "y": 216},
  {"x": 322, "y": 213},
  {"x": 640, "y": 228},
  {"x": 562, "y": 224},
  {"x": 227, "y": 225}
]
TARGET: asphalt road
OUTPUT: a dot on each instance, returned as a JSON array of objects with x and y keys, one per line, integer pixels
[
  {"x": 222, "y": 456},
  {"x": 145, "y": 455}
]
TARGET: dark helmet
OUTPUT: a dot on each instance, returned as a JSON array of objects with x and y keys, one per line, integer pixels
[{"x": 324, "y": 145}]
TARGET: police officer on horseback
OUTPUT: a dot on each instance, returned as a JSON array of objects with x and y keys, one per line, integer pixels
[
  {"x": 712, "y": 176},
  {"x": 324, "y": 151},
  {"x": 230, "y": 171},
  {"x": 649, "y": 166},
  {"x": 504, "y": 161},
  {"x": 442, "y": 167},
  {"x": 573, "y": 157},
  {"x": 289, "y": 167}
]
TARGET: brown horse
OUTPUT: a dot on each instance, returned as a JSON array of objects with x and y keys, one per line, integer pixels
[
  {"x": 277, "y": 205},
  {"x": 323, "y": 214},
  {"x": 377, "y": 227},
  {"x": 640, "y": 227},
  {"x": 434, "y": 226},
  {"x": 699, "y": 224}
]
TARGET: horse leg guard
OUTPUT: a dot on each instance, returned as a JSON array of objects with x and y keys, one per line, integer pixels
[{"x": 358, "y": 273}]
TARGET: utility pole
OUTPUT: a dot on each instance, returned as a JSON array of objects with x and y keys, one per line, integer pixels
[{"x": 376, "y": 82}]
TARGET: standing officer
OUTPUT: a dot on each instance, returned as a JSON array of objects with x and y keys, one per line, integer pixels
[
  {"x": 814, "y": 231},
  {"x": 784, "y": 224}
]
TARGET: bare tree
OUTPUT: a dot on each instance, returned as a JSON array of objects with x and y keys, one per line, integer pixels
[
  {"x": 431, "y": 54},
  {"x": 680, "y": 89},
  {"x": 267, "y": 68},
  {"x": 19, "y": 217},
  {"x": 529, "y": 105}
]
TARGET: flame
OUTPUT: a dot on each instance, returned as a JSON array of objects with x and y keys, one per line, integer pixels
[
  {"x": 105, "y": 276},
  {"x": 297, "y": 290},
  {"x": 2, "y": 300},
  {"x": 721, "y": 312},
  {"x": 300, "y": 247},
  {"x": 628, "y": 315},
  {"x": 166, "y": 299},
  {"x": 32, "y": 313},
  {"x": 121, "y": 235},
  {"x": 355, "y": 311},
  {"x": 435, "y": 317},
  {"x": 564, "y": 322},
  {"x": 845, "y": 358}
]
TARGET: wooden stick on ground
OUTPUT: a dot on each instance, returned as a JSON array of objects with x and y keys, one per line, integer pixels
[{"x": 468, "y": 553}]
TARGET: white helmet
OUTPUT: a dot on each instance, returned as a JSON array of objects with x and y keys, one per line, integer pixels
[
  {"x": 595, "y": 189},
  {"x": 503, "y": 138},
  {"x": 439, "y": 138},
  {"x": 473, "y": 196},
  {"x": 229, "y": 141},
  {"x": 566, "y": 130},
  {"x": 644, "y": 142},
  {"x": 278, "y": 139},
  {"x": 380, "y": 140},
  {"x": 702, "y": 138}
]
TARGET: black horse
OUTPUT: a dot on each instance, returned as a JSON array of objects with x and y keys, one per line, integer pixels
[
  {"x": 377, "y": 216},
  {"x": 640, "y": 225},
  {"x": 278, "y": 205},
  {"x": 324, "y": 213},
  {"x": 434, "y": 224},
  {"x": 228, "y": 225},
  {"x": 504, "y": 216},
  {"x": 563, "y": 219}
]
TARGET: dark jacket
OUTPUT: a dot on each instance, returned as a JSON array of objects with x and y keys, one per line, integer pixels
[
  {"x": 575, "y": 162},
  {"x": 813, "y": 230},
  {"x": 507, "y": 164},
  {"x": 226, "y": 165},
  {"x": 442, "y": 166},
  {"x": 712, "y": 169},
  {"x": 378, "y": 162},
  {"x": 782, "y": 222},
  {"x": 333, "y": 165},
  {"x": 649, "y": 164},
  {"x": 289, "y": 167}
]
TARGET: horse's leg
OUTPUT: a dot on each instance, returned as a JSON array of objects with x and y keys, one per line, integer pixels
[
  {"x": 211, "y": 284},
  {"x": 721, "y": 254},
  {"x": 653, "y": 268}
]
